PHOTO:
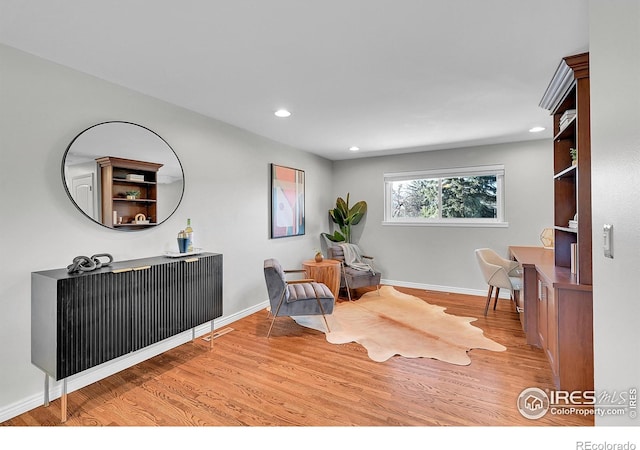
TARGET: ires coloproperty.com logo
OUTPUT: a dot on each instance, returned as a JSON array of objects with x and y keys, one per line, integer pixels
[{"x": 534, "y": 403}]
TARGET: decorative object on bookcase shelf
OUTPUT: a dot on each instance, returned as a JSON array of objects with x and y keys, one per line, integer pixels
[
  {"x": 132, "y": 195},
  {"x": 134, "y": 177},
  {"x": 574, "y": 223},
  {"x": 574, "y": 155},
  {"x": 140, "y": 219},
  {"x": 546, "y": 237}
]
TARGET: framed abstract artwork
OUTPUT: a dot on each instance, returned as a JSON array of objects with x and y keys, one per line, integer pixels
[{"x": 287, "y": 201}]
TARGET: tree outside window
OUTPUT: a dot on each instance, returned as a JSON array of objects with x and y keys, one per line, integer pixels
[{"x": 469, "y": 195}]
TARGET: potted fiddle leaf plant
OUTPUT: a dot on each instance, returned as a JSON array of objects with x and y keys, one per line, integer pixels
[{"x": 345, "y": 216}]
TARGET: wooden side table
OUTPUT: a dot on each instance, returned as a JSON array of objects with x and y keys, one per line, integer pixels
[{"x": 326, "y": 271}]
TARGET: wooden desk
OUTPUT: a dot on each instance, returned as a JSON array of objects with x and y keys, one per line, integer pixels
[
  {"x": 558, "y": 316},
  {"x": 531, "y": 260},
  {"x": 326, "y": 271},
  {"x": 543, "y": 259}
]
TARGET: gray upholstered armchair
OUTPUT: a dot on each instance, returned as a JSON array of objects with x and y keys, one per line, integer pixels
[
  {"x": 303, "y": 297},
  {"x": 357, "y": 269}
]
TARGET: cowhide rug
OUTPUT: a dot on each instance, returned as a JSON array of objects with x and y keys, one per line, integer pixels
[{"x": 394, "y": 323}]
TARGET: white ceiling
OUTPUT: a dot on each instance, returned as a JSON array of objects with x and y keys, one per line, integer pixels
[{"x": 384, "y": 75}]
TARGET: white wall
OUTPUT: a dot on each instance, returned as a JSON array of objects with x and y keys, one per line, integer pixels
[
  {"x": 43, "y": 106},
  {"x": 615, "y": 162},
  {"x": 442, "y": 258}
]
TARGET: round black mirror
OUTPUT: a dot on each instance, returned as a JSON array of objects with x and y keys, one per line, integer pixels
[{"x": 123, "y": 176}]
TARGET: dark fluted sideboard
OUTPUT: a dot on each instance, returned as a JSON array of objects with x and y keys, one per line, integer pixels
[{"x": 81, "y": 320}]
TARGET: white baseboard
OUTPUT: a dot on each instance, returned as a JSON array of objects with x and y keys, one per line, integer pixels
[{"x": 434, "y": 287}]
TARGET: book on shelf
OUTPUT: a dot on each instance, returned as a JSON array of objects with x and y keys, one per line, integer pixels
[
  {"x": 568, "y": 115},
  {"x": 566, "y": 118}
]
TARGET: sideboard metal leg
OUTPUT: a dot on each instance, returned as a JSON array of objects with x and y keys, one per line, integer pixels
[
  {"x": 211, "y": 337},
  {"x": 63, "y": 406},
  {"x": 46, "y": 390}
]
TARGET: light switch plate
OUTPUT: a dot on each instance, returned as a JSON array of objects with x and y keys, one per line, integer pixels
[{"x": 607, "y": 245}]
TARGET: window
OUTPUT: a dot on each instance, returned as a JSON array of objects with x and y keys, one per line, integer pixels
[{"x": 471, "y": 196}]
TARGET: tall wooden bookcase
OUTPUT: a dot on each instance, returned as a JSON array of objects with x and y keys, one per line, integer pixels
[
  {"x": 567, "y": 98},
  {"x": 563, "y": 304}
]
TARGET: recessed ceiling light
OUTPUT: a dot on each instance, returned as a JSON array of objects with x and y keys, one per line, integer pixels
[
  {"x": 536, "y": 129},
  {"x": 282, "y": 113},
  {"x": 354, "y": 148}
]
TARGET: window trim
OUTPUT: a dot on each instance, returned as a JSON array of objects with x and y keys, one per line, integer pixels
[{"x": 496, "y": 170}]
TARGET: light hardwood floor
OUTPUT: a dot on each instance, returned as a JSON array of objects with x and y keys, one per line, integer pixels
[{"x": 297, "y": 378}]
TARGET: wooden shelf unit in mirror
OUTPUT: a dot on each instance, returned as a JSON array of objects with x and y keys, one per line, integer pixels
[{"x": 119, "y": 176}]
